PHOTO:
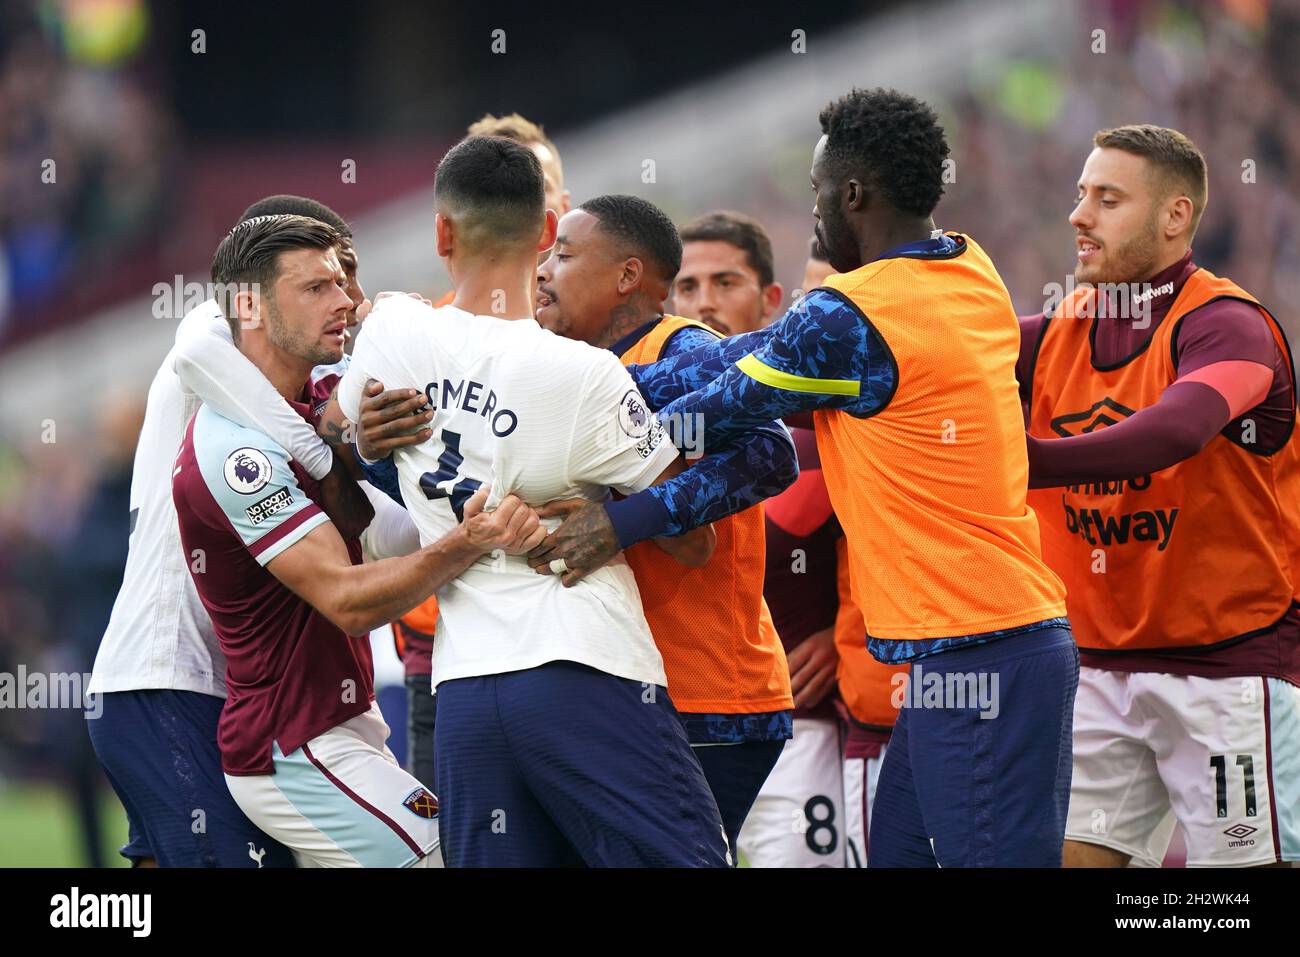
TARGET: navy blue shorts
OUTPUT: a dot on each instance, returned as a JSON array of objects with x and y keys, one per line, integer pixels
[
  {"x": 563, "y": 765},
  {"x": 736, "y": 773},
  {"x": 978, "y": 769},
  {"x": 159, "y": 750}
]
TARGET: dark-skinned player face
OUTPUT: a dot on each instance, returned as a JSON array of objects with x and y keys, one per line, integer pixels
[
  {"x": 832, "y": 230},
  {"x": 349, "y": 261},
  {"x": 578, "y": 284}
]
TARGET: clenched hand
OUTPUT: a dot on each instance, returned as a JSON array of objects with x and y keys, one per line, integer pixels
[{"x": 585, "y": 540}]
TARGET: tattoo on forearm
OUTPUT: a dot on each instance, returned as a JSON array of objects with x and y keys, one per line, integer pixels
[{"x": 336, "y": 436}]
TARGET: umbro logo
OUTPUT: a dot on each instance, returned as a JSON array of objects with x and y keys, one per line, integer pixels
[
  {"x": 1103, "y": 413},
  {"x": 1240, "y": 835}
]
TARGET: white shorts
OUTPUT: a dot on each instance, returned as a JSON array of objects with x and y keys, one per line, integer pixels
[
  {"x": 796, "y": 820},
  {"x": 1222, "y": 753},
  {"x": 342, "y": 800},
  {"x": 861, "y": 775},
  {"x": 1158, "y": 844}
]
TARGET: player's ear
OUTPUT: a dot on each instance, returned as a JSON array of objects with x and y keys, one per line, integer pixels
[
  {"x": 550, "y": 227},
  {"x": 1178, "y": 217},
  {"x": 631, "y": 276},
  {"x": 857, "y": 195},
  {"x": 773, "y": 295},
  {"x": 248, "y": 310},
  {"x": 444, "y": 232},
  {"x": 566, "y": 202}
]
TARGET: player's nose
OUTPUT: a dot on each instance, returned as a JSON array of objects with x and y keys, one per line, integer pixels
[{"x": 1081, "y": 217}]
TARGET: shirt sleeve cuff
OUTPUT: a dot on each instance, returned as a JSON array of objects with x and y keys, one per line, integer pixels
[
  {"x": 637, "y": 518},
  {"x": 287, "y": 534}
]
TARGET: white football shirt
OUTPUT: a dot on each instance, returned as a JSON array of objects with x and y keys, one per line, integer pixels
[
  {"x": 532, "y": 414},
  {"x": 159, "y": 635}
]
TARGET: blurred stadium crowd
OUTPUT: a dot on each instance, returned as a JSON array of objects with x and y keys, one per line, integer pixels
[
  {"x": 1223, "y": 71},
  {"x": 73, "y": 90}
]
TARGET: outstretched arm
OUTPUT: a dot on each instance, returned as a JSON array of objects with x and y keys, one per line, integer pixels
[
  {"x": 685, "y": 371},
  {"x": 359, "y": 598},
  {"x": 1226, "y": 357},
  {"x": 823, "y": 355},
  {"x": 210, "y": 366},
  {"x": 759, "y": 463}
]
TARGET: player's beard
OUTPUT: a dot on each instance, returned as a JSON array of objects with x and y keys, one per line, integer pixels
[
  {"x": 298, "y": 342},
  {"x": 836, "y": 239},
  {"x": 1133, "y": 261}
]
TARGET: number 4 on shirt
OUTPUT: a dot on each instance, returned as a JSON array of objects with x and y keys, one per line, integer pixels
[{"x": 449, "y": 464}]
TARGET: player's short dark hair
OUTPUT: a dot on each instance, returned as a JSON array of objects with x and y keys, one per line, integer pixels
[
  {"x": 286, "y": 204},
  {"x": 1178, "y": 165},
  {"x": 736, "y": 229},
  {"x": 643, "y": 229},
  {"x": 892, "y": 142},
  {"x": 250, "y": 254},
  {"x": 497, "y": 185},
  {"x": 515, "y": 127}
]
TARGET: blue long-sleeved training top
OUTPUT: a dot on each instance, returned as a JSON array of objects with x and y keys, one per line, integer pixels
[
  {"x": 822, "y": 354},
  {"x": 753, "y": 463},
  {"x": 757, "y": 462}
]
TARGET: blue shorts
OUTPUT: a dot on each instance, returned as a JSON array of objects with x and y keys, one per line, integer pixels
[
  {"x": 736, "y": 773},
  {"x": 563, "y": 765},
  {"x": 978, "y": 769},
  {"x": 159, "y": 750}
]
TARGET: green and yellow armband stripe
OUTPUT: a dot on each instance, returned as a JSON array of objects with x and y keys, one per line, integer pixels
[{"x": 762, "y": 372}]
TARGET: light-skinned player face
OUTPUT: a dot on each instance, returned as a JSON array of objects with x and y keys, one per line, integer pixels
[
  {"x": 718, "y": 286},
  {"x": 1128, "y": 225},
  {"x": 304, "y": 320},
  {"x": 586, "y": 280},
  {"x": 557, "y": 197}
]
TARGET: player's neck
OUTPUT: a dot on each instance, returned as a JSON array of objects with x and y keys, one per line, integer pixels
[
  {"x": 1166, "y": 262},
  {"x": 505, "y": 290},
  {"x": 284, "y": 371},
  {"x": 894, "y": 233},
  {"x": 627, "y": 316}
]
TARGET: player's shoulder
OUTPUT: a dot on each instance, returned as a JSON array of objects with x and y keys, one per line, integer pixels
[
  {"x": 524, "y": 343},
  {"x": 325, "y": 378},
  {"x": 233, "y": 455},
  {"x": 397, "y": 319},
  {"x": 1226, "y": 316},
  {"x": 688, "y": 338},
  {"x": 821, "y": 312}
]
